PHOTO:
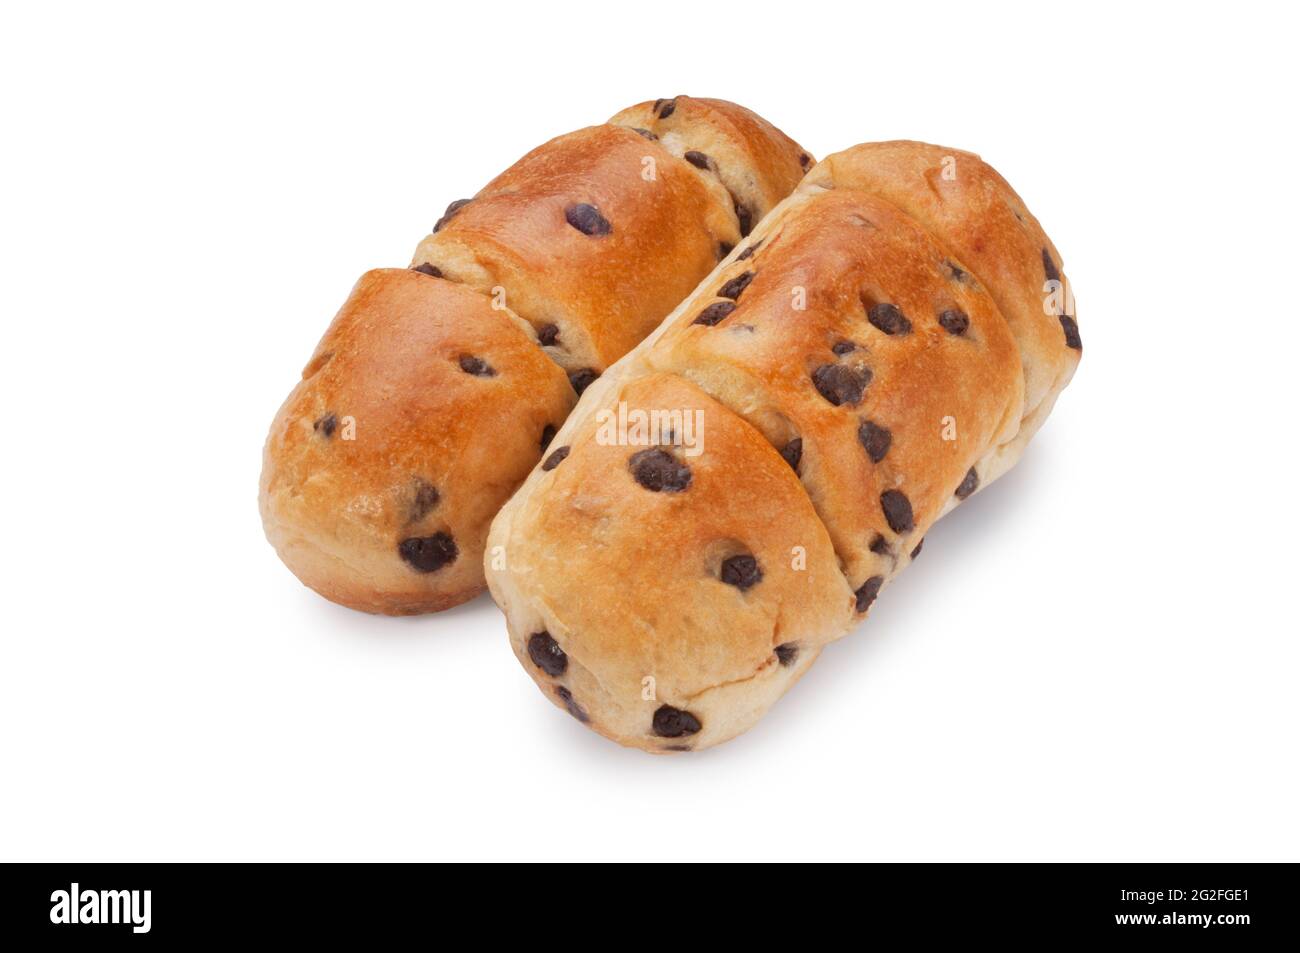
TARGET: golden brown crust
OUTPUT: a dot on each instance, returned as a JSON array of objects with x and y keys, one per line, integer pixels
[
  {"x": 975, "y": 212},
  {"x": 603, "y": 292},
  {"x": 870, "y": 355},
  {"x": 417, "y": 446},
  {"x": 931, "y": 401},
  {"x": 558, "y": 266},
  {"x": 617, "y": 574},
  {"x": 758, "y": 163}
]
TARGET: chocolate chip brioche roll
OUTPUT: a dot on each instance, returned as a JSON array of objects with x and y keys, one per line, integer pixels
[
  {"x": 438, "y": 387},
  {"x": 666, "y": 596},
  {"x": 857, "y": 376}
]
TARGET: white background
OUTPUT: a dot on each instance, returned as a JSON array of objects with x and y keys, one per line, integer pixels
[{"x": 1098, "y": 659}]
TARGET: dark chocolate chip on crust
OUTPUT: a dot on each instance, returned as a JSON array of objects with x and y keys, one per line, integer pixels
[
  {"x": 748, "y": 252},
  {"x": 875, "y": 439},
  {"x": 581, "y": 380},
  {"x": 867, "y": 592},
  {"x": 889, "y": 318},
  {"x": 425, "y": 499},
  {"x": 645, "y": 134},
  {"x": 659, "y": 471},
  {"x": 548, "y": 434},
  {"x": 428, "y": 269},
  {"x": 792, "y": 452},
  {"x": 786, "y": 654},
  {"x": 1071, "y": 329},
  {"x": 548, "y": 334},
  {"x": 954, "y": 321},
  {"x": 724, "y": 250},
  {"x": 428, "y": 553},
  {"x": 670, "y": 722},
  {"x": 1049, "y": 267},
  {"x": 880, "y": 546},
  {"x": 733, "y": 288},
  {"x": 326, "y": 425},
  {"x": 917, "y": 551},
  {"x": 898, "y": 511},
  {"x": 452, "y": 209},
  {"x": 969, "y": 484},
  {"x": 556, "y": 458},
  {"x": 574, "y": 708},
  {"x": 476, "y": 366},
  {"x": 741, "y": 571},
  {"x": 698, "y": 159},
  {"x": 587, "y": 219},
  {"x": 805, "y": 161},
  {"x": 547, "y": 654},
  {"x": 745, "y": 218},
  {"x": 954, "y": 272},
  {"x": 840, "y": 348},
  {"x": 715, "y": 313},
  {"x": 840, "y": 384},
  {"x": 664, "y": 107}
]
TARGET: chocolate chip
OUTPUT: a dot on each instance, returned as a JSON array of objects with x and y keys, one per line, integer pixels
[
  {"x": 581, "y": 380},
  {"x": 646, "y": 134},
  {"x": 678, "y": 748},
  {"x": 880, "y": 546},
  {"x": 587, "y": 219},
  {"x": 428, "y": 269},
  {"x": 548, "y": 434},
  {"x": 715, "y": 313},
  {"x": 664, "y": 107},
  {"x": 724, "y": 250},
  {"x": 744, "y": 217},
  {"x": 916, "y": 552},
  {"x": 670, "y": 722},
  {"x": 698, "y": 159},
  {"x": 547, "y": 335},
  {"x": 556, "y": 458},
  {"x": 476, "y": 366},
  {"x": 898, "y": 511},
  {"x": 875, "y": 439},
  {"x": 889, "y": 319},
  {"x": 426, "y": 498},
  {"x": 1049, "y": 267},
  {"x": 840, "y": 384},
  {"x": 841, "y": 348},
  {"x": 805, "y": 160},
  {"x": 969, "y": 484},
  {"x": 733, "y": 288},
  {"x": 574, "y": 708},
  {"x": 954, "y": 321},
  {"x": 954, "y": 272},
  {"x": 658, "y": 470},
  {"x": 740, "y": 571},
  {"x": 792, "y": 452},
  {"x": 452, "y": 209},
  {"x": 547, "y": 654},
  {"x": 1071, "y": 329},
  {"x": 867, "y": 592},
  {"x": 786, "y": 654},
  {"x": 326, "y": 425},
  {"x": 748, "y": 252},
  {"x": 428, "y": 553}
]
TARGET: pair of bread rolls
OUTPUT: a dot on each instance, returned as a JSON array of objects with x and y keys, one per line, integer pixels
[
  {"x": 436, "y": 388},
  {"x": 881, "y": 347},
  {"x": 740, "y": 480}
]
